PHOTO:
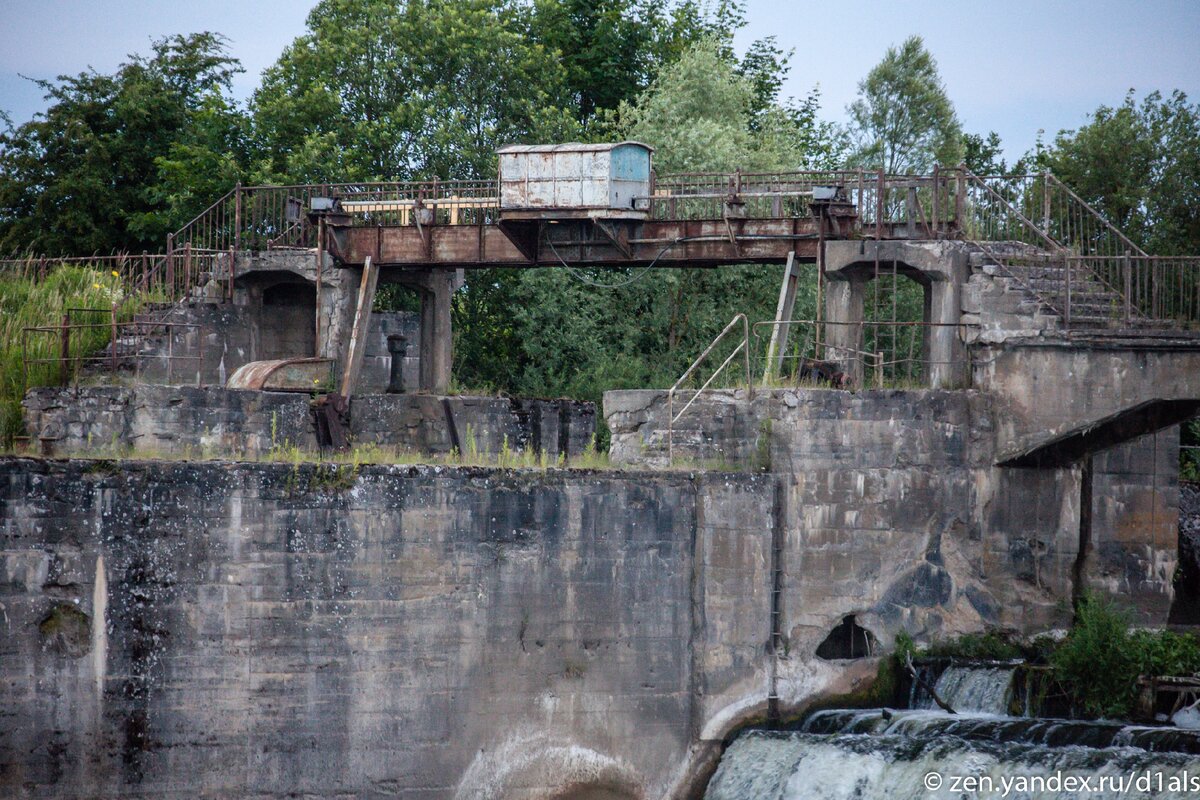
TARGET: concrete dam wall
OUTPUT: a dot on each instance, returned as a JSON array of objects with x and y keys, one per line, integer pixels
[{"x": 262, "y": 630}]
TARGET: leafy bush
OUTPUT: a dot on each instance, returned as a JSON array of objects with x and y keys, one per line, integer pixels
[
  {"x": 1095, "y": 663},
  {"x": 1166, "y": 653},
  {"x": 1189, "y": 458},
  {"x": 1099, "y": 662},
  {"x": 988, "y": 646}
]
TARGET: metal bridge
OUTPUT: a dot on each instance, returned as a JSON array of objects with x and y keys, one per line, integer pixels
[{"x": 1031, "y": 227}]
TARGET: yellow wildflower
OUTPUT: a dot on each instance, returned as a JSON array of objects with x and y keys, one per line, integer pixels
[{"x": 116, "y": 274}]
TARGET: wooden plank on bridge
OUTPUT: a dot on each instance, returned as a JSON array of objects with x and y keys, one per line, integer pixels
[
  {"x": 783, "y": 318},
  {"x": 358, "y": 333}
]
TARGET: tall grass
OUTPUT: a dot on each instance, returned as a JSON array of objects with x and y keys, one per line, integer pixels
[{"x": 27, "y": 301}]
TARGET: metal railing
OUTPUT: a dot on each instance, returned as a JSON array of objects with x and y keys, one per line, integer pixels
[
  {"x": 1008, "y": 218},
  {"x": 888, "y": 205},
  {"x": 1062, "y": 250},
  {"x": 75, "y": 349},
  {"x": 901, "y": 360},
  {"x": 156, "y": 275},
  {"x": 267, "y": 217},
  {"x": 743, "y": 347},
  {"x": 1160, "y": 290}
]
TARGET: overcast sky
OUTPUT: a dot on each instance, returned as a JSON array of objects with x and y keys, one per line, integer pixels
[{"x": 1013, "y": 66}]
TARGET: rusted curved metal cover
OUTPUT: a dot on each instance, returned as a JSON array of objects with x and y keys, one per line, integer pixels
[{"x": 284, "y": 375}]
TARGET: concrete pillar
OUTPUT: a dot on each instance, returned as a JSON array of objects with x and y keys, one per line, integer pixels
[
  {"x": 437, "y": 287},
  {"x": 844, "y": 310},
  {"x": 950, "y": 363}
]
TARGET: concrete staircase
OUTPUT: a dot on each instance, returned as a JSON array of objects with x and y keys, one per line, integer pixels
[{"x": 1081, "y": 299}]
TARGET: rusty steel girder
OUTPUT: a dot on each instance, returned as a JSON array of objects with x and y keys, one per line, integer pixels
[{"x": 585, "y": 243}]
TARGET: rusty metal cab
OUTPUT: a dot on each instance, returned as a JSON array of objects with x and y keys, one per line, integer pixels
[
  {"x": 573, "y": 180},
  {"x": 602, "y": 188}
]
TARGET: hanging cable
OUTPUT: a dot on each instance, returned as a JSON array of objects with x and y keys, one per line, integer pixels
[{"x": 579, "y": 276}]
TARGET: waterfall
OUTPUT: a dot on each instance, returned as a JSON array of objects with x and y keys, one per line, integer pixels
[
  {"x": 878, "y": 754},
  {"x": 924, "y": 724},
  {"x": 763, "y": 765},
  {"x": 987, "y": 690}
]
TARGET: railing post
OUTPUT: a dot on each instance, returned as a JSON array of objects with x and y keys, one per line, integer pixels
[
  {"x": 960, "y": 194},
  {"x": 1046, "y": 203},
  {"x": 113, "y": 335},
  {"x": 170, "y": 265},
  {"x": 1156, "y": 311},
  {"x": 237, "y": 219},
  {"x": 862, "y": 195},
  {"x": 1127, "y": 265},
  {"x": 879, "y": 205},
  {"x": 65, "y": 350},
  {"x": 1067, "y": 278},
  {"x": 935, "y": 211}
]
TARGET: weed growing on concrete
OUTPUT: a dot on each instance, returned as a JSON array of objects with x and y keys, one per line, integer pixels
[
  {"x": 574, "y": 669},
  {"x": 27, "y": 301}
]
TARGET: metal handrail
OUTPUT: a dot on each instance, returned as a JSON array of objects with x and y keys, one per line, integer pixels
[
  {"x": 743, "y": 347},
  {"x": 866, "y": 354},
  {"x": 1097, "y": 215}
]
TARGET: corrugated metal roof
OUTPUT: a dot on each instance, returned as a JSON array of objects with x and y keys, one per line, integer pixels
[{"x": 569, "y": 147}]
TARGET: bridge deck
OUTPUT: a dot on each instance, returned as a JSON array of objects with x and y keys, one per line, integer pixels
[{"x": 665, "y": 243}]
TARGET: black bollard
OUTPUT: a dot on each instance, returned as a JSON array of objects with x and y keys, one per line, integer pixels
[{"x": 397, "y": 345}]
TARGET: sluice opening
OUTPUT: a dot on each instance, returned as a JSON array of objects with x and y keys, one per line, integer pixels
[{"x": 848, "y": 639}]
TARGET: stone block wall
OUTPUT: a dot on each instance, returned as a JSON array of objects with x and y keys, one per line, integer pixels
[
  {"x": 232, "y": 423},
  {"x": 264, "y": 630},
  {"x": 226, "y": 336},
  {"x": 209, "y": 629},
  {"x": 996, "y": 308},
  {"x": 913, "y": 474}
]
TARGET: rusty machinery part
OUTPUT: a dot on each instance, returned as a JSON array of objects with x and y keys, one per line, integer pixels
[
  {"x": 331, "y": 413},
  {"x": 283, "y": 375}
]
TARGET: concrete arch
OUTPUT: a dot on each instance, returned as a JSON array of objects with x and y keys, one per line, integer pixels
[
  {"x": 800, "y": 684},
  {"x": 538, "y": 766},
  {"x": 937, "y": 266}
]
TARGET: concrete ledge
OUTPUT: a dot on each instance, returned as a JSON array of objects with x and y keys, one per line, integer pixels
[{"x": 214, "y": 422}]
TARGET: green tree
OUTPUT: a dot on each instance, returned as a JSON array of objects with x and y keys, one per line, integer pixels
[
  {"x": 1139, "y": 165},
  {"x": 610, "y": 50},
  {"x": 707, "y": 112},
  {"x": 100, "y": 169},
  {"x": 903, "y": 120},
  {"x": 983, "y": 155},
  {"x": 383, "y": 90}
]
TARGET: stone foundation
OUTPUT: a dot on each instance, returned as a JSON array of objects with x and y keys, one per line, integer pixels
[
  {"x": 269, "y": 630},
  {"x": 213, "y": 423},
  {"x": 910, "y": 467}
]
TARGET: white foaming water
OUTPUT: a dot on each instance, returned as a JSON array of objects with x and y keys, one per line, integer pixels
[
  {"x": 987, "y": 690},
  {"x": 799, "y": 766}
]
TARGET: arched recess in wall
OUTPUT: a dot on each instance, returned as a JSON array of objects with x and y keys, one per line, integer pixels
[
  {"x": 287, "y": 325},
  {"x": 553, "y": 766},
  {"x": 594, "y": 791},
  {"x": 896, "y": 313},
  {"x": 848, "y": 639}
]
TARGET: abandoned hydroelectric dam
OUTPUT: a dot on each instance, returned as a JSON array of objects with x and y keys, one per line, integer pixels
[{"x": 187, "y": 615}]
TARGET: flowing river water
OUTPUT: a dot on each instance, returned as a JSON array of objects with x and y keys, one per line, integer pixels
[{"x": 979, "y": 752}]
